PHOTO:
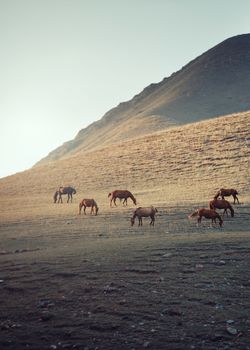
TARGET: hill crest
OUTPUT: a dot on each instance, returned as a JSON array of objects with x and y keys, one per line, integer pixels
[{"x": 215, "y": 83}]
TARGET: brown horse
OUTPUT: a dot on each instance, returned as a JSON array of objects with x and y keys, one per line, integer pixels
[
  {"x": 90, "y": 203},
  {"x": 64, "y": 190},
  {"x": 144, "y": 212},
  {"x": 226, "y": 192},
  {"x": 121, "y": 194},
  {"x": 208, "y": 214},
  {"x": 221, "y": 204}
]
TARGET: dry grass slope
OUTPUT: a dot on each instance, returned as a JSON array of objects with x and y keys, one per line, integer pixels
[{"x": 187, "y": 163}]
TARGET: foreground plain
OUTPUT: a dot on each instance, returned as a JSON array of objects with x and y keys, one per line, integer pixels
[{"x": 94, "y": 282}]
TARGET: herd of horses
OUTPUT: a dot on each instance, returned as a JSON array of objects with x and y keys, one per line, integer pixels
[{"x": 140, "y": 212}]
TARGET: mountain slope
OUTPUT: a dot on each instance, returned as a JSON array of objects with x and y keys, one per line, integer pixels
[
  {"x": 184, "y": 163},
  {"x": 215, "y": 83}
]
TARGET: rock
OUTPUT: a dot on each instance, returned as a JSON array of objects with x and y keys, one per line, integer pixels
[
  {"x": 232, "y": 330},
  {"x": 167, "y": 255}
]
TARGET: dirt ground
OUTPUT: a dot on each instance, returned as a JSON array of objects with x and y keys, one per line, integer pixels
[{"x": 95, "y": 282}]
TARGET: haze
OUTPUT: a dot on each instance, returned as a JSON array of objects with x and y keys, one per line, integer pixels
[{"x": 65, "y": 63}]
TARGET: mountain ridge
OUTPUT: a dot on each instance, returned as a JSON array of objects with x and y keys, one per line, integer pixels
[{"x": 215, "y": 83}]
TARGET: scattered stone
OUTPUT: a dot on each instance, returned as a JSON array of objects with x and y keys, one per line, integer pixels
[
  {"x": 1, "y": 281},
  {"x": 232, "y": 330},
  {"x": 45, "y": 303},
  {"x": 222, "y": 262},
  {"x": 167, "y": 255},
  {"x": 199, "y": 266}
]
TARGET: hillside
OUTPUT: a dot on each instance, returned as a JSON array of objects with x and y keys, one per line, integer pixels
[
  {"x": 185, "y": 163},
  {"x": 215, "y": 83}
]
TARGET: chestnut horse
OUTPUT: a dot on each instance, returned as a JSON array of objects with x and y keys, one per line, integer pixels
[
  {"x": 144, "y": 212},
  {"x": 226, "y": 192},
  {"x": 90, "y": 203},
  {"x": 206, "y": 213},
  {"x": 121, "y": 194},
  {"x": 64, "y": 190},
  {"x": 221, "y": 204}
]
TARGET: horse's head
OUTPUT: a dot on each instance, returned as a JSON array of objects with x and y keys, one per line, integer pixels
[
  {"x": 73, "y": 191},
  {"x": 55, "y": 196},
  {"x": 80, "y": 207},
  {"x": 132, "y": 221},
  {"x": 109, "y": 194}
]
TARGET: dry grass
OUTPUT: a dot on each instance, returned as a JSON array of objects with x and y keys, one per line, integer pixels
[{"x": 187, "y": 163}]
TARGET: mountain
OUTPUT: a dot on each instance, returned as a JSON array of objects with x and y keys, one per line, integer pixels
[{"x": 215, "y": 83}]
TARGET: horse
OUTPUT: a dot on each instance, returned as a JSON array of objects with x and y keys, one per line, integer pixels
[
  {"x": 226, "y": 192},
  {"x": 121, "y": 194},
  {"x": 144, "y": 212},
  {"x": 88, "y": 203},
  {"x": 208, "y": 214},
  {"x": 221, "y": 204},
  {"x": 64, "y": 190}
]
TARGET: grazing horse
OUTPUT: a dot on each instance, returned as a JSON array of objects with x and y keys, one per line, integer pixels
[
  {"x": 144, "y": 212},
  {"x": 90, "y": 203},
  {"x": 206, "y": 213},
  {"x": 121, "y": 194},
  {"x": 226, "y": 192},
  {"x": 221, "y": 204},
  {"x": 64, "y": 190}
]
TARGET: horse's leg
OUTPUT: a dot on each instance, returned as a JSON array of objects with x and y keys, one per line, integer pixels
[
  {"x": 115, "y": 201},
  {"x": 84, "y": 209},
  {"x": 140, "y": 221},
  {"x": 198, "y": 220},
  {"x": 60, "y": 198}
]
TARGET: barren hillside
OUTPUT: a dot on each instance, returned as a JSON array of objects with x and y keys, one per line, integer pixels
[
  {"x": 215, "y": 83},
  {"x": 186, "y": 163}
]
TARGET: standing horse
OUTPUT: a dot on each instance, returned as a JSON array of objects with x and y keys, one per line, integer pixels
[
  {"x": 64, "y": 190},
  {"x": 121, "y": 194},
  {"x": 221, "y": 204},
  {"x": 208, "y": 214},
  {"x": 144, "y": 212},
  {"x": 226, "y": 192},
  {"x": 90, "y": 203}
]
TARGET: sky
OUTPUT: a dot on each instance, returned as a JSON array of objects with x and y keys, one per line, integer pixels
[{"x": 65, "y": 63}]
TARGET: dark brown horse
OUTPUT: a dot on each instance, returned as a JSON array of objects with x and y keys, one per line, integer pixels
[
  {"x": 121, "y": 194},
  {"x": 227, "y": 192},
  {"x": 144, "y": 212},
  {"x": 221, "y": 204},
  {"x": 208, "y": 214},
  {"x": 64, "y": 190},
  {"x": 90, "y": 203}
]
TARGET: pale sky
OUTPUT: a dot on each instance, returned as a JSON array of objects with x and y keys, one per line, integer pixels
[{"x": 65, "y": 63}]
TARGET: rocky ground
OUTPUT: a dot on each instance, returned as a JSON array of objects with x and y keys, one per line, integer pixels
[{"x": 90, "y": 283}]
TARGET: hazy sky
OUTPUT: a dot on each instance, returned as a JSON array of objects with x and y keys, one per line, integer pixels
[{"x": 65, "y": 63}]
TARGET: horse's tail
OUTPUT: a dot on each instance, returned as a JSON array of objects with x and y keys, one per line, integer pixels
[
  {"x": 80, "y": 207},
  {"x": 217, "y": 194},
  {"x": 220, "y": 219},
  {"x": 55, "y": 196},
  {"x": 194, "y": 214},
  {"x": 211, "y": 206}
]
